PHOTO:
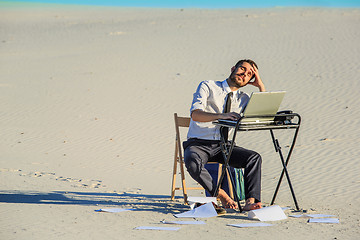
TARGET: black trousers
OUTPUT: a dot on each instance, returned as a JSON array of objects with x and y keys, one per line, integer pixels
[{"x": 198, "y": 152}]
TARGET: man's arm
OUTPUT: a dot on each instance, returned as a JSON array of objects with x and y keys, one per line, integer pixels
[{"x": 201, "y": 116}]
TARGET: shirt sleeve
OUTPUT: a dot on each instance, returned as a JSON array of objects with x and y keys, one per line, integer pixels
[{"x": 200, "y": 97}]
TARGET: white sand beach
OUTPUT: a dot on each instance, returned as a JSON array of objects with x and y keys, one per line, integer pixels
[{"x": 87, "y": 102}]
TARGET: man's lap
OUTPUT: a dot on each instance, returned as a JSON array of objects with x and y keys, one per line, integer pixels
[{"x": 210, "y": 151}]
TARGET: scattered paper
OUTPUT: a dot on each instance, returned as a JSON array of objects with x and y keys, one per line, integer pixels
[
  {"x": 204, "y": 211},
  {"x": 193, "y": 200},
  {"x": 311, "y": 216},
  {"x": 298, "y": 216},
  {"x": 183, "y": 222},
  {"x": 113, "y": 210},
  {"x": 319, "y": 215},
  {"x": 323, "y": 220},
  {"x": 158, "y": 228},
  {"x": 272, "y": 213},
  {"x": 245, "y": 225}
]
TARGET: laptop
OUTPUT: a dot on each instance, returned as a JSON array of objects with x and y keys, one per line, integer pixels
[{"x": 260, "y": 104}]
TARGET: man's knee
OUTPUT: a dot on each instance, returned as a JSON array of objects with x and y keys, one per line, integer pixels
[
  {"x": 192, "y": 164},
  {"x": 257, "y": 157},
  {"x": 254, "y": 157}
]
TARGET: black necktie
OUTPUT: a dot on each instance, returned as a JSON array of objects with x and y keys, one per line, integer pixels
[{"x": 226, "y": 110}]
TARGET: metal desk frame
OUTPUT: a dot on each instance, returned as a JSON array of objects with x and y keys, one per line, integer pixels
[{"x": 227, "y": 148}]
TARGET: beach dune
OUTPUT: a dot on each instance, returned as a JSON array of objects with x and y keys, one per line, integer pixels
[{"x": 87, "y": 102}]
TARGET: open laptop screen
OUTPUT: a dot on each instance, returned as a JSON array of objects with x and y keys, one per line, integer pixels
[{"x": 262, "y": 104}]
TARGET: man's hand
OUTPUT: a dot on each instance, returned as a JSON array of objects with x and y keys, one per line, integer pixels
[
  {"x": 201, "y": 116},
  {"x": 230, "y": 116},
  {"x": 257, "y": 82}
]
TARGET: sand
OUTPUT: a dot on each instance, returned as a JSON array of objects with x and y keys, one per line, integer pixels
[{"x": 87, "y": 102}]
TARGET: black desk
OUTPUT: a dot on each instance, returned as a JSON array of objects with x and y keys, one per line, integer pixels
[{"x": 227, "y": 147}]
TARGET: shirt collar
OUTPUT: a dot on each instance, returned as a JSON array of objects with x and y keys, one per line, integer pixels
[
  {"x": 227, "y": 89},
  {"x": 225, "y": 86}
]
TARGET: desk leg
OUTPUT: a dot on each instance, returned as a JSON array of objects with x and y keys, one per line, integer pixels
[
  {"x": 278, "y": 149},
  {"x": 236, "y": 198},
  {"x": 227, "y": 150}
]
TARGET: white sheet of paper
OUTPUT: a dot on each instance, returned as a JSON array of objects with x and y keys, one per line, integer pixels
[
  {"x": 245, "y": 225},
  {"x": 204, "y": 211},
  {"x": 319, "y": 215},
  {"x": 158, "y": 228},
  {"x": 298, "y": 216},
  {"x": 193, "y": 200},
  {"x": 272, "y": 213},
  {"x": 312, "y": 216},
  {"x": 323, "y": 220},
  {"x": 184, "y": 222},
  {"x": 113, "y": 210}
]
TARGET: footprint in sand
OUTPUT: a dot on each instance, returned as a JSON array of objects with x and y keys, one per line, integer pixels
[{"x": 83, "y": 183}]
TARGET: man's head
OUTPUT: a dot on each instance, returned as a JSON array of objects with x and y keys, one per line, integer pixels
[{"x": 242, "y": 73}]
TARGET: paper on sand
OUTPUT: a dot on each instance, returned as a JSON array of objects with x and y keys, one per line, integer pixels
[
  {"x": 113, "y": 210},
  {"x": 311, "y": 216},
  {"x": 319, "y": 215},
  {"x": 272, "y": 213},
  {"x": 204, "y": 211},
  {"x": 298, "y": 216},
  {"x": 157, "y": 228},
  {"x": 323, "y": 220},
  {"x": 184, "y": 222}
]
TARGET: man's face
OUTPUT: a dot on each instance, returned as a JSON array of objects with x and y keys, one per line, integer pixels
[{"x": 241, "y": 75}]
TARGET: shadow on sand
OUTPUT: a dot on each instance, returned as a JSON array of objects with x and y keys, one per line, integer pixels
[{"x": 138, "y": 202}]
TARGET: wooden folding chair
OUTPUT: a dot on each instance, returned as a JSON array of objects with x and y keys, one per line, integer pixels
[{"x": 179, "y": 159}]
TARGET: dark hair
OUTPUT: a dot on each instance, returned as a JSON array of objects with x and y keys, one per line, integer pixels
[{"x": 249, "y": 61}]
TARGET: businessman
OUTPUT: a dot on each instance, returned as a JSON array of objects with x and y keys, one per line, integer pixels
[{"x": 212, "y": 101}]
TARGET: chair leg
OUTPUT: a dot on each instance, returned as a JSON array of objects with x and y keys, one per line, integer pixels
[
  {"x": 183, "y": 180},
  {"x": 174, "y": 173},
  {"x": 182, "y": 172}
]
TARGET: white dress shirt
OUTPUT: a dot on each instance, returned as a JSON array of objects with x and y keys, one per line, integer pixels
[{"x": 210, "y": 97}]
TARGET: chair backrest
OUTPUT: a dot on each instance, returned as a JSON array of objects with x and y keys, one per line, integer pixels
[{"x": 180, "y": 122}]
